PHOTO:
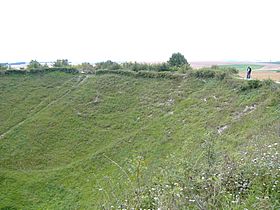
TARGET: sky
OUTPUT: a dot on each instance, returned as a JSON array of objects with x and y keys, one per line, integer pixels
[{"x": 139, "y": 30}]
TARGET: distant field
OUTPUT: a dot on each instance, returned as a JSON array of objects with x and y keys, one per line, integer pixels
[
  {"x": 243, "y": 67},
  {"x": 261, "y": 75},
  {"x": 260, "y": 70},
  {"x": 73, "y": 141}
]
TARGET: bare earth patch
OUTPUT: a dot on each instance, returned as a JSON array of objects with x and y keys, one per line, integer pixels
[{"x": 263, "y": 75}]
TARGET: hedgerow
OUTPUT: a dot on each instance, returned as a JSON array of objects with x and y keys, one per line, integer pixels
[{"x": 42, "y": 70}]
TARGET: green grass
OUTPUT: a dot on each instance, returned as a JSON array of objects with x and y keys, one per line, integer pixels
[
  {"x": 92, "y": 142},
  {"x": 243, "y": 67}
]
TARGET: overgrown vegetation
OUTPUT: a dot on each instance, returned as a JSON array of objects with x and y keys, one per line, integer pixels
[
  {"x": 33, "y": 64},
  {"x": 85, "y": 68},
  {"x": 61, "y": 63},
  {"x": 177, "y": 62},
  {"x": 123, "y": 139},
  {"x": 3, "y": 67}
]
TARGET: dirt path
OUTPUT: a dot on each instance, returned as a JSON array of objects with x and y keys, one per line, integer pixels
[
  {"x": 81, "y": 80},
  {"x": 261, "y": 75}
]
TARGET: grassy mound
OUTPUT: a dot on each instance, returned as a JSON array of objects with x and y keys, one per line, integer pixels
[{"x": 138, "y": 140}]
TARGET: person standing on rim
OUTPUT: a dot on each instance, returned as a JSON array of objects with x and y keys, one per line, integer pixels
[{"x": 249, "y": 70}]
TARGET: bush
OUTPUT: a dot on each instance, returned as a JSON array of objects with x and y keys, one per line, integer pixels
[
  {"x": 3, "y": 67},
  {"x": 215, "y": 182},
  {"x": 145, "y": 74},
  {"x": 43, "y": 70},
  {"x": 85, "y": 68},
  {"x": 176, "y": 63},
  {"x": 203, "y": 73},
  {"x": 33, "y": 64},
  {"x": 217, "y": 72},
  {"x": 182, "y": 69},
  {"x": 109, "y": 65},
  {"x": 135, "y": 66},
  {"x": 145, "y": 66},
  {"x": 232, "y": 70},
  {"x": 251, "y": 84},
  {"x": 61, "y": 63},
  {"x": 178, "y": 60},
  {"x": 215, "y": 67},
  {"x": 15, "y": 71},
  {"x": 120, "y": 72},
  {"x": 268, "y": 82}
]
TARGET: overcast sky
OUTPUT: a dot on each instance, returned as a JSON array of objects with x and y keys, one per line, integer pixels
[{"x": 139, "y": 30}]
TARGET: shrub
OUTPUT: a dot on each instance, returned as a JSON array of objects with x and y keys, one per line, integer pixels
[
  {"x": 268, "y": 82},
  {"x": 215, "y": 182},
  {"x": 71, "y": 70},
  {"x": 146, "y": 66},
  {"x": 178, "y": 60},
  {"x": 203, "y": 73},
  {"x": 61, "y": 63},
  {"x": 251, "y": 84},
  {"x": 120, "y": 72},
  {"x": 215, "y": 67},
  {"x": 33, "y": 64},
  {"x": 85, "y": 68},
  {"x": 3, "y": 67},
  {"x": 176, "y": 63},
  {"x": 15, "y": 71},
  {"x": 145, "y": 74},
  {"x": 232, "y": 70},
  {"x": 109, "y": 65}
]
